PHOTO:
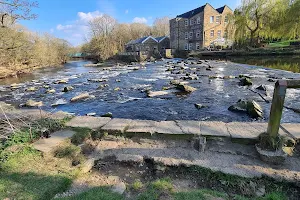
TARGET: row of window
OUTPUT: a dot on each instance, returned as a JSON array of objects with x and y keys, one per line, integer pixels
[
  {"x": 212, "y": 34},
  {"x": 189, "y": 46},
  {"x": 193, "y": 21},
  {"x": 190, "y": 35},
  {"x": 218, "y": 19}
]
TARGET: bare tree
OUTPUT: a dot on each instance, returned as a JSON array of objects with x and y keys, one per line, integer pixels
[
  {"x": 13, "y": 10},
  {"x": 161, "y": 26},
  {"x": 102, "y": 25}
]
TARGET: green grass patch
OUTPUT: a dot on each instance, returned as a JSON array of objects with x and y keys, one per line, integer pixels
[
  {"x": 67, "y": 151},
  {"x": 137, "y": 185},
  {"x": 285, "y": 43},
  {"x": 164, "y": 184},
  {"x": 81, "y": 135},
  {"x": 98, "y": 193}
]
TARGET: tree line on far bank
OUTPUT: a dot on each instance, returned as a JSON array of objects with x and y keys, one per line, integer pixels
[
  {"x": 20, "y": 49},
  {"x": 108, "y": 37},
  {"x": 261, "y": 21}
]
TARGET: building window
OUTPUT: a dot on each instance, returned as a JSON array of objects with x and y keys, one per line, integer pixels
[
  {"x": 191, "y": 35},
  {"x": 186, "y": 22},
  {"x": 198, "y": 20},
  {"x": 212, "y": 33},
  {"x": 190, "y": 46},
  {"x": 198, "y": 34},
  {"x": 186, "y": 47},
  {"x": 197, "y": 46},
  {"x": 218, "y": 19},
  {"x": 219, "y": 34},
  {"x": 186, "y": 35},
  {"x": 226, "y": 19},
  {"x": 191, "y": 22},
  {"x": 212, "y": 19}
]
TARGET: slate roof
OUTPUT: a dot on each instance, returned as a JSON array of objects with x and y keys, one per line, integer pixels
[
  {"x": 220, "y": 10},
  {"x": 138, "y": 41},
  {"x": 196, "y": 11},
  {"x": 159, "y": 39},
  {"x": 191, "y": 13}
]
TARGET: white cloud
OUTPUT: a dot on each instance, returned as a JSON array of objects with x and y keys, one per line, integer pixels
[
  {"x": 86, "y": 17},
  {"x": 126, "y": 11},
  {"x": 64, "y": 27},
  {"x": 140, "y": 20}
]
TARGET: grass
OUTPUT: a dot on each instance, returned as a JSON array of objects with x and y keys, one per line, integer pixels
[
  {"x": 137, "y": 185},
  {"x": 81, "y": 135},
  {"x": 285, "y": 43},
  {"x": 26, "y": 174},
  {"x": 98, "y": 193}
]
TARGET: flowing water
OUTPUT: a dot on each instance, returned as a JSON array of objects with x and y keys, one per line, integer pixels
[{"x": 131, "y": 100}]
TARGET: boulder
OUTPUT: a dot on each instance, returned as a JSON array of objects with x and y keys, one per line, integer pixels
[
  {"x": 68, "y": 88},
  {"x": 245, "y": 81},
  {"x": 31, "y": 103},
  {"x": 185, "y": 88},
  {"x": 97, "y": 80},
  {"x": 175, "y": 82},
  {"x": 91, "y": 114},
  {"x": 80, "y": 97},
  {"x": 102, "y": 86},
  {"x": 109, "y": 114},
  {"x": 252, "y": 108},
  {"x": 117, "y": 89}
]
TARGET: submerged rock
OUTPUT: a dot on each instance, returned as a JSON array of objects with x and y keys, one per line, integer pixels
[
  {"x": 59, "y": 102},
  {"x": 80, "y": 97},
  {"x": 199, "y": 106},
  {"x": 252, "y": 108},
  {"x": 97, "y": 80},
  {"x": 91, "y": 114},
  {"x": 68, "y": 88},
  {"x": 102, "y": 86},
  {"x": 63, "y": 81},
  {"x": 117, "y": 89},
  {"x": 31, "y": 103},
  {"x": 245, "y": 81}
]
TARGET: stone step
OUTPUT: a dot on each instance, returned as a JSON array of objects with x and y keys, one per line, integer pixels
[
  {"x": 141, "y": 128},
  {"x": 46, "y": 145}
]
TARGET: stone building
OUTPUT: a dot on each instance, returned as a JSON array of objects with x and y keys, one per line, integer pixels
[
  {"x": 149, "y": 45},
  {"x": 200, "y": 28}
]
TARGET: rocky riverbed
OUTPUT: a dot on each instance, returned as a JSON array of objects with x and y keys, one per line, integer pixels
[{"x": 164, "y": 90}]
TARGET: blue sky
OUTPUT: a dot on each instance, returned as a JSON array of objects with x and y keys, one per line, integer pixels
[{"x": 67, "y": 18}]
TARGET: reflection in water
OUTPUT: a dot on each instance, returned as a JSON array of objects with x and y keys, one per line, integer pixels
[{"x": 288, "y": 63}]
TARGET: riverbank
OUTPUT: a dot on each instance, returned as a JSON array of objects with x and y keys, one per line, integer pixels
[{"x": 89, "y": 158}]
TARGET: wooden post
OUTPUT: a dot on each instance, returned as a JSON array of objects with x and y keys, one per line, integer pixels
[{"x": 277, "y": 108}]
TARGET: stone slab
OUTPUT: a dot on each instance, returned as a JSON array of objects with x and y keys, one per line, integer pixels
[
  {"x": 168, "y": 127},
  {"x": 244, "y": 130},
  {"x": 189, "y": 127},
  {"x": 117, "y": 125},
  {"x": 88, "y": 122},
  {"x": 215, "y": 129},
  {"x": 291, "y": 129},
  {"x": 141, "y": 126},
  {"x": 48, "y": 144}
]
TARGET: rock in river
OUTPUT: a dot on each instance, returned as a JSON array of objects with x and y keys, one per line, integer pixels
[
  {"x": 31, "y": 103},
  {"x": 252, "y": 108},
  {"x": 199, "y": 106},
  {"x": 50, "y": 91},
  {"x": 59, "y": 102},
  {"x": 80, "y": 97},
  {"x": 31, "y": 89},
  {"x": 262, "y": 87},
  {"x": 156, "y": 93},
  {"x": 68, "y": 88},
  {"x": 109, "y": 114},
  {"x": 245, "y": 81},
  {"x": 185, "y": 88}
]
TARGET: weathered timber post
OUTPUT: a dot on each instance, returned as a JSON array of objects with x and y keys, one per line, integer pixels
[{"x": 277, "y": 108}]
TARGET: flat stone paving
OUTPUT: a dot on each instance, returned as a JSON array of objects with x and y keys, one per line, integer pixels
[
  {"x": 235, "y": 130},
  {"x": 46, "y": 145}
]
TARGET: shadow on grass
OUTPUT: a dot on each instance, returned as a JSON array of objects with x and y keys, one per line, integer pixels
[{"x": 31, "y": 185}]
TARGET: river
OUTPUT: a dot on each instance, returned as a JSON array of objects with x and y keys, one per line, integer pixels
[{"x": 131, "y": 101}]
